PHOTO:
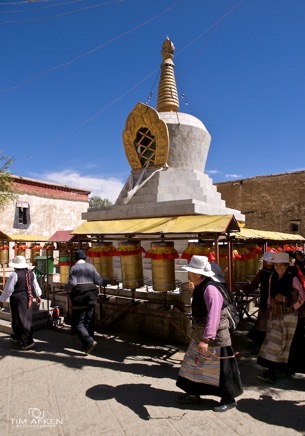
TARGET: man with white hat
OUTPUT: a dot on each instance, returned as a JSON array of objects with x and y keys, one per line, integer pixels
[
  {"x": 21, "y": 287},
  {"x": 209, "y": 366}
]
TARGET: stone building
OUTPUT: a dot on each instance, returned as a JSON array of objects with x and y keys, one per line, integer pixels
[
  {"x": 42, "y": 208},
  {"x": 274, "y": 202}
]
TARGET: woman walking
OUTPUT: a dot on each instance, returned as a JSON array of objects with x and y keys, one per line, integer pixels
[
  {"x": 284, "y": 346},
  {"x": 209, "y": 366},
  {"x": 21, "y": 287}
]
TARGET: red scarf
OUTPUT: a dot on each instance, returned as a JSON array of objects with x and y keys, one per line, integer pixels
[{"x": 29, "y": 288}]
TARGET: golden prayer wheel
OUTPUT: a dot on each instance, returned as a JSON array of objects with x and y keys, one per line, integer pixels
[
  {"x": 96, "y": 263},
  {"x": 64, "y": 266},
  {"x": 163, "y": 266},
  {"x": 131, "y": 264},
  {"x": 106, "y": 267},
  {"x": 102, "y": 258},
  {"x": 4, "y": 255},
  {"x": 35, "y": 251},
  {"x": 20, "y": 249}
]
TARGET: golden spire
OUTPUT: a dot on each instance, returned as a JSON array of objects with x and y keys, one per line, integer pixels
[{"x": 168, "y": 100}]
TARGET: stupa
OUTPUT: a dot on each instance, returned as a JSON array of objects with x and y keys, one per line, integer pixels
[{"x": 167, "y": 152}]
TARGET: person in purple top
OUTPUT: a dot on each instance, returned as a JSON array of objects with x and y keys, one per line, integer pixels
[{"x": 209, "y": 366}]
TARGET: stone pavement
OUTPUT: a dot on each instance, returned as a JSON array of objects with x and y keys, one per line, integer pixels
[{"x": 127, "y": 387}]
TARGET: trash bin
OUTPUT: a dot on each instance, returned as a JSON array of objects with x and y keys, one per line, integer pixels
[{"x": 44, "y": 264}]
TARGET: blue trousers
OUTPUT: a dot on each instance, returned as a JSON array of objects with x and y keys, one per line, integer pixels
[{"x": 83, "y": 323}]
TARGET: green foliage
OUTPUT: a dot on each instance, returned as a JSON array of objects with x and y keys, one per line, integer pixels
[
  {"x": 96, "y": 201},
  {"x": 6, "y": 180}
]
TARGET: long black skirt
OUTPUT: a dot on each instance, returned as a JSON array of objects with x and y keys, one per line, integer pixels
[
  {"x": 230, "y": 385},
  {"x": 21, "y": 318}
]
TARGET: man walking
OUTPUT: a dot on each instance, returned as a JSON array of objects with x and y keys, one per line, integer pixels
[{"x": 81, "y": 286}]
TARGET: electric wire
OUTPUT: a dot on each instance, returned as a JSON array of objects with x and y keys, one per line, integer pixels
[
  {"x": 87, "y": 53},
  {"x": 57, "y": 15},
  {"x": 115, "y": 100}
]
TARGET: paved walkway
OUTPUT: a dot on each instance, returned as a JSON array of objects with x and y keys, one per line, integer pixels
[{"x": 127, "y": 387}]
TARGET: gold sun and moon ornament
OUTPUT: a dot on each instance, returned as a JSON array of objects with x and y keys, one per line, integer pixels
[{"x": 145, "y": 138}]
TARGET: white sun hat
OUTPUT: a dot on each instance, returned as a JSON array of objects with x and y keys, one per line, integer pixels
[
  {"x": 199, "y": 265},
  {"x": 19, "y": 262},
  {"x": 280, "y": 257}
]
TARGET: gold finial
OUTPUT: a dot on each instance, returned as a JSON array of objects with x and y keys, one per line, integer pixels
[{"x": 168, "y": 100}]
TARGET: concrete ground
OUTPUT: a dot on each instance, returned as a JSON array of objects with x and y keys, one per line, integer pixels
[{"x": 127, "y": 387}]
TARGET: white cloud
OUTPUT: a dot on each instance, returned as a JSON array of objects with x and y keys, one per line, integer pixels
[
  {"x": 212, "y": 172},
  {"x": 103, "y": 187},
  {"x": 233, "y": 176}
]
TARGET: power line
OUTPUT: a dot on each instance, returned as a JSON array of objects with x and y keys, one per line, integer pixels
[
  {"x": 26, "y": 20},
  {"x": 87, "y": 53}
]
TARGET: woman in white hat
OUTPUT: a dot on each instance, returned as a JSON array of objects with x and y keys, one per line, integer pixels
[
  {"x": 284, "y": 346},
  {"x": 21, "y": 287},
  {"x": 209, "y": 366}
]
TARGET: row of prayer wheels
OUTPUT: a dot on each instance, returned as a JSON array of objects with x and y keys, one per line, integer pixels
[{"x": 162, "y": 255}]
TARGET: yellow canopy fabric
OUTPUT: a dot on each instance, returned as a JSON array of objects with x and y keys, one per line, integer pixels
[
  {"x": 29, "y": 238},
  {"x": 247, "y": 234},
  {"x": 180, "y": 224}
]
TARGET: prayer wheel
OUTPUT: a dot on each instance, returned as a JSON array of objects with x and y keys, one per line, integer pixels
[
  {"x": 21, "y": 249},
  {"x": 35, "y": 251},
  {"x": 163, "y": 266},
  {"x": 64, "y": 266},
  {"x": 131, "y": 264},
  {"x": 102, "y": 258},
  {"x": 4, "y": 254},
  {"x": 96, "y": 263},
  {"x": 106, "y": 260},
  {"x": 195, "y": 248}
]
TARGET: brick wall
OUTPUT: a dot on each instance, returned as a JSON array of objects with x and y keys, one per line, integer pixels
[{"x": 273, "y": 202}]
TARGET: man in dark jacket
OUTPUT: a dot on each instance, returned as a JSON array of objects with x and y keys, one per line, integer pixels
[{"x": 81, "y": 286}]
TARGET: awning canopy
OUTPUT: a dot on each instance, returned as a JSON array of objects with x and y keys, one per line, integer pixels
[
  {"x": 62, "y": 236},
  {"x": 186, "y": 225},
  {"x": 28, "y": 238},
  {"x": 252, "y": 234},
  {"x": 4, "y": 237}
]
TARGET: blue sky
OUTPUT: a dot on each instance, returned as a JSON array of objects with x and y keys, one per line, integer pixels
[{"x": 71, "y": 72}]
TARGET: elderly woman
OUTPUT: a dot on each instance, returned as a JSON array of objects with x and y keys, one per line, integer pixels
[
  {"x": 284, "y": 347},
  {"x": 21, "y": 287},
  {"x": 209, "y": 366}
]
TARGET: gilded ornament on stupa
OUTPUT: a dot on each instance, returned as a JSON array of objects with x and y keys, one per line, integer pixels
[{"x": 168, "y": 100}]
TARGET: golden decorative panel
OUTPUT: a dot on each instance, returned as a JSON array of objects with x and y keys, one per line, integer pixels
[{"x": 145, "y": 138}]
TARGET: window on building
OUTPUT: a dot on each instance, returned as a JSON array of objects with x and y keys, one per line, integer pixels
[
  {"x": 22, "y": 215},
  {"x": 294, "y": 227}
]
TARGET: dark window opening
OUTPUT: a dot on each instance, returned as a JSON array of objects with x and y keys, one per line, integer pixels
[
  {"x": 294, "y": 227},
  {"x": 22, "y": 216},
  {"x": 145, "y": 145}
]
